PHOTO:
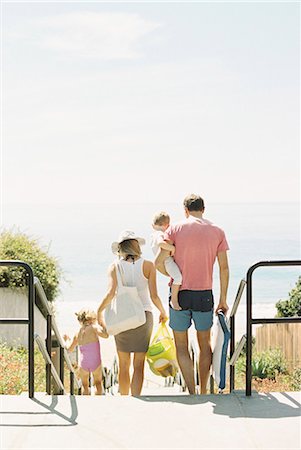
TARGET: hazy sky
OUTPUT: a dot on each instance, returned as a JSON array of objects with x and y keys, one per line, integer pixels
[{"x": 146, "y": 102}]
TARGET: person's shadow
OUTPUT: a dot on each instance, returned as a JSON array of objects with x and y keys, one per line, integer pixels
[
  {"x": 49, "y": 409},
  {"x": 237, "y": 404}
]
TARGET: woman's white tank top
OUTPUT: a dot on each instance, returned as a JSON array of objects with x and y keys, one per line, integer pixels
[{"x": 132, "y": 275}]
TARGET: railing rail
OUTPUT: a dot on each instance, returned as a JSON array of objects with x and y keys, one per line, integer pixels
[
  {"x": 35, "y": 290},
  {"x": 47, "y": 358},
  {"x": 51, "y": 325},
  {"x": 29, "y": 321},
  {"x": 234, "y": 308},
  {"x": 252, "y": 321}
]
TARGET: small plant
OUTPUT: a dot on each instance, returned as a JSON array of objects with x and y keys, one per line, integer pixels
[
  {"x": 14, "y": 370},
  {"x": 296, "y": 379},
  {"x": 18, "y": 246},
  {"x": 292, "y": 306},
  {"x": 267, "y": 364}
]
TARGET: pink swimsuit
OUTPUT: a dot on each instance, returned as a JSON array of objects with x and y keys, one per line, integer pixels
[{"x": 89, "y": 356}]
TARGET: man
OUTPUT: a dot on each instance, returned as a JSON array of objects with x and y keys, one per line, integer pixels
[{"x": 198, "y": 243}]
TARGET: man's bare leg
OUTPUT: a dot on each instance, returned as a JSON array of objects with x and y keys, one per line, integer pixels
[
  {"x": 205, "y": 358},
  {"x": 184, "y": 359}
]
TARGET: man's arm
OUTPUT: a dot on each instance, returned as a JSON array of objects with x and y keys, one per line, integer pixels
[{"x": 224, "y": 281}]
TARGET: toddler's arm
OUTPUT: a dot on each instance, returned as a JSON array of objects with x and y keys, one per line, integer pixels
[
  {"x": 74, "y": 343},
  {"x": 101, "y": 332}
]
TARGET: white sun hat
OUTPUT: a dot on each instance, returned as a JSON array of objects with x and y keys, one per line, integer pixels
[{"x": 124, "y": 236}]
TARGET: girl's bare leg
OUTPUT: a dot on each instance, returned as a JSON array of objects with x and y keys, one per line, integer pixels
[
  {"x": 97, "y": 376},
  {"x": 84, "y": 376}
]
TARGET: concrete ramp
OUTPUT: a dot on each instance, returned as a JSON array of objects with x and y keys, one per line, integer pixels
[{"x": 264, "y": 421}]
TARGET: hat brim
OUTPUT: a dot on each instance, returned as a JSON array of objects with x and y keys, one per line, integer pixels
[{"x": 115, "y": 245}]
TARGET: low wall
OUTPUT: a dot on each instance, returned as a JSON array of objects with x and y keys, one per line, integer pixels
[
  {"x": 14, "y": 304},
  {"x": 286, "y": 336}
]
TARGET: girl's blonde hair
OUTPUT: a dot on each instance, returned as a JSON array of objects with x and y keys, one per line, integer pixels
[
  {"x": 86, "y": 315},
  {"x": 129, "y": 248}
]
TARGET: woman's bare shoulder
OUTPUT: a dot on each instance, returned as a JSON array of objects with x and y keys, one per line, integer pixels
[
  {"x": 148, "y": 267},
  {"x": 111, "y": 269}
]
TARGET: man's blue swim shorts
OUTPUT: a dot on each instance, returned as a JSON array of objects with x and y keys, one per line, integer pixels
[{"x": 197, "y": 307}]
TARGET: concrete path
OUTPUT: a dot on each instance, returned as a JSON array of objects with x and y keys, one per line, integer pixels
[{"x": 264, "y": 421}]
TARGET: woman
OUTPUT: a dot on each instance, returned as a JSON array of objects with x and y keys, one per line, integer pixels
[{"x": 142, "y": 274}]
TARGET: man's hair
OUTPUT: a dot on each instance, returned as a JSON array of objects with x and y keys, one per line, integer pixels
[
  {"x": 194, "y": 203},
  {"x": 161, "y": 218}
]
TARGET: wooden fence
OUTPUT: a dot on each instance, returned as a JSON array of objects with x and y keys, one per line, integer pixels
[{"x": 286, "y": 336}]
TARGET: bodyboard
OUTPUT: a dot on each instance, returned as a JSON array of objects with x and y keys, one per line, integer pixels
[{"x": 221, "y": 337}]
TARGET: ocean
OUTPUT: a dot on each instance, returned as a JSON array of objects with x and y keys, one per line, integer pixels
[{"x": 80, "y": 237}]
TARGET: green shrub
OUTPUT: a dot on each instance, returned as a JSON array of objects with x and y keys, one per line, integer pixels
[
  {"x": 18, "y": 246},
  {"x": 292, "y": 306},
  {"x": 296, "y": 379},
  {"x": 267, "y": 364}
]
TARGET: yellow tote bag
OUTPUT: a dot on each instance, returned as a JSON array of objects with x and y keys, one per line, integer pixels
[{"x": 161, "y": 355}]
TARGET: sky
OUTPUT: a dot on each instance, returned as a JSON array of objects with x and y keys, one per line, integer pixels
[{"x": 146, "y": 102}]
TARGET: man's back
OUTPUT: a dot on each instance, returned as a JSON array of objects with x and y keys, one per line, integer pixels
[{"x": 197, "y": 243}]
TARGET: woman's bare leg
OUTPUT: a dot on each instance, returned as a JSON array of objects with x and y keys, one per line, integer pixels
[
  {"x": 124, "y": 372},
  {"x": 138, "y": 375}
]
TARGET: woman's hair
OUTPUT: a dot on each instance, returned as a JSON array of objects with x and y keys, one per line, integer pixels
[
  {"x": 129, "y": 248},
  {"x": 86, "y": 315}
]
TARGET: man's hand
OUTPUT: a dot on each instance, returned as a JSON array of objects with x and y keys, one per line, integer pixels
[{"x": 222, "y": 306}]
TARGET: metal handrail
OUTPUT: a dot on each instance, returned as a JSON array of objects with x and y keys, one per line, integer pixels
[
  {"x": 51, "y": 325},
  {"x": 235, "y": 355},
  {"x": 234, "y": 308},
  {"x": 47, "y": 358},
  {"x": 35, "y": 288},
  {"x": 251, "y": 321},
  {"x": 28, "y": 321}
]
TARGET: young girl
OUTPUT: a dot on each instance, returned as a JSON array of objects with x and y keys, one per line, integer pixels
[{"x": 89, "y": 349}]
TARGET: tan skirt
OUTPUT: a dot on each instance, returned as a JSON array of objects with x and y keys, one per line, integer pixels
[{"x": 136, "y": 340}]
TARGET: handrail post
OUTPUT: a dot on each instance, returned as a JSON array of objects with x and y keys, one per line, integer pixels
[
  {"x": 49, "y": 348},
  {"x": 249, "y": 333},
  {"x": 30, "y": 330},
  {"x": 232, "y": 348},
  {"x": 62, "y": 360},
  {"x": 71, "y": 383}
]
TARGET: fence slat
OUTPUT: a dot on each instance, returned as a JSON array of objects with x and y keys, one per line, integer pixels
[{"x": 286, "y": 336}]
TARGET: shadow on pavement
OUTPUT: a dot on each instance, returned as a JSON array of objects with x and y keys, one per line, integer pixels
[
  {"x": 50, "y": 409},
  {"x": 237, "y": 405}
]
